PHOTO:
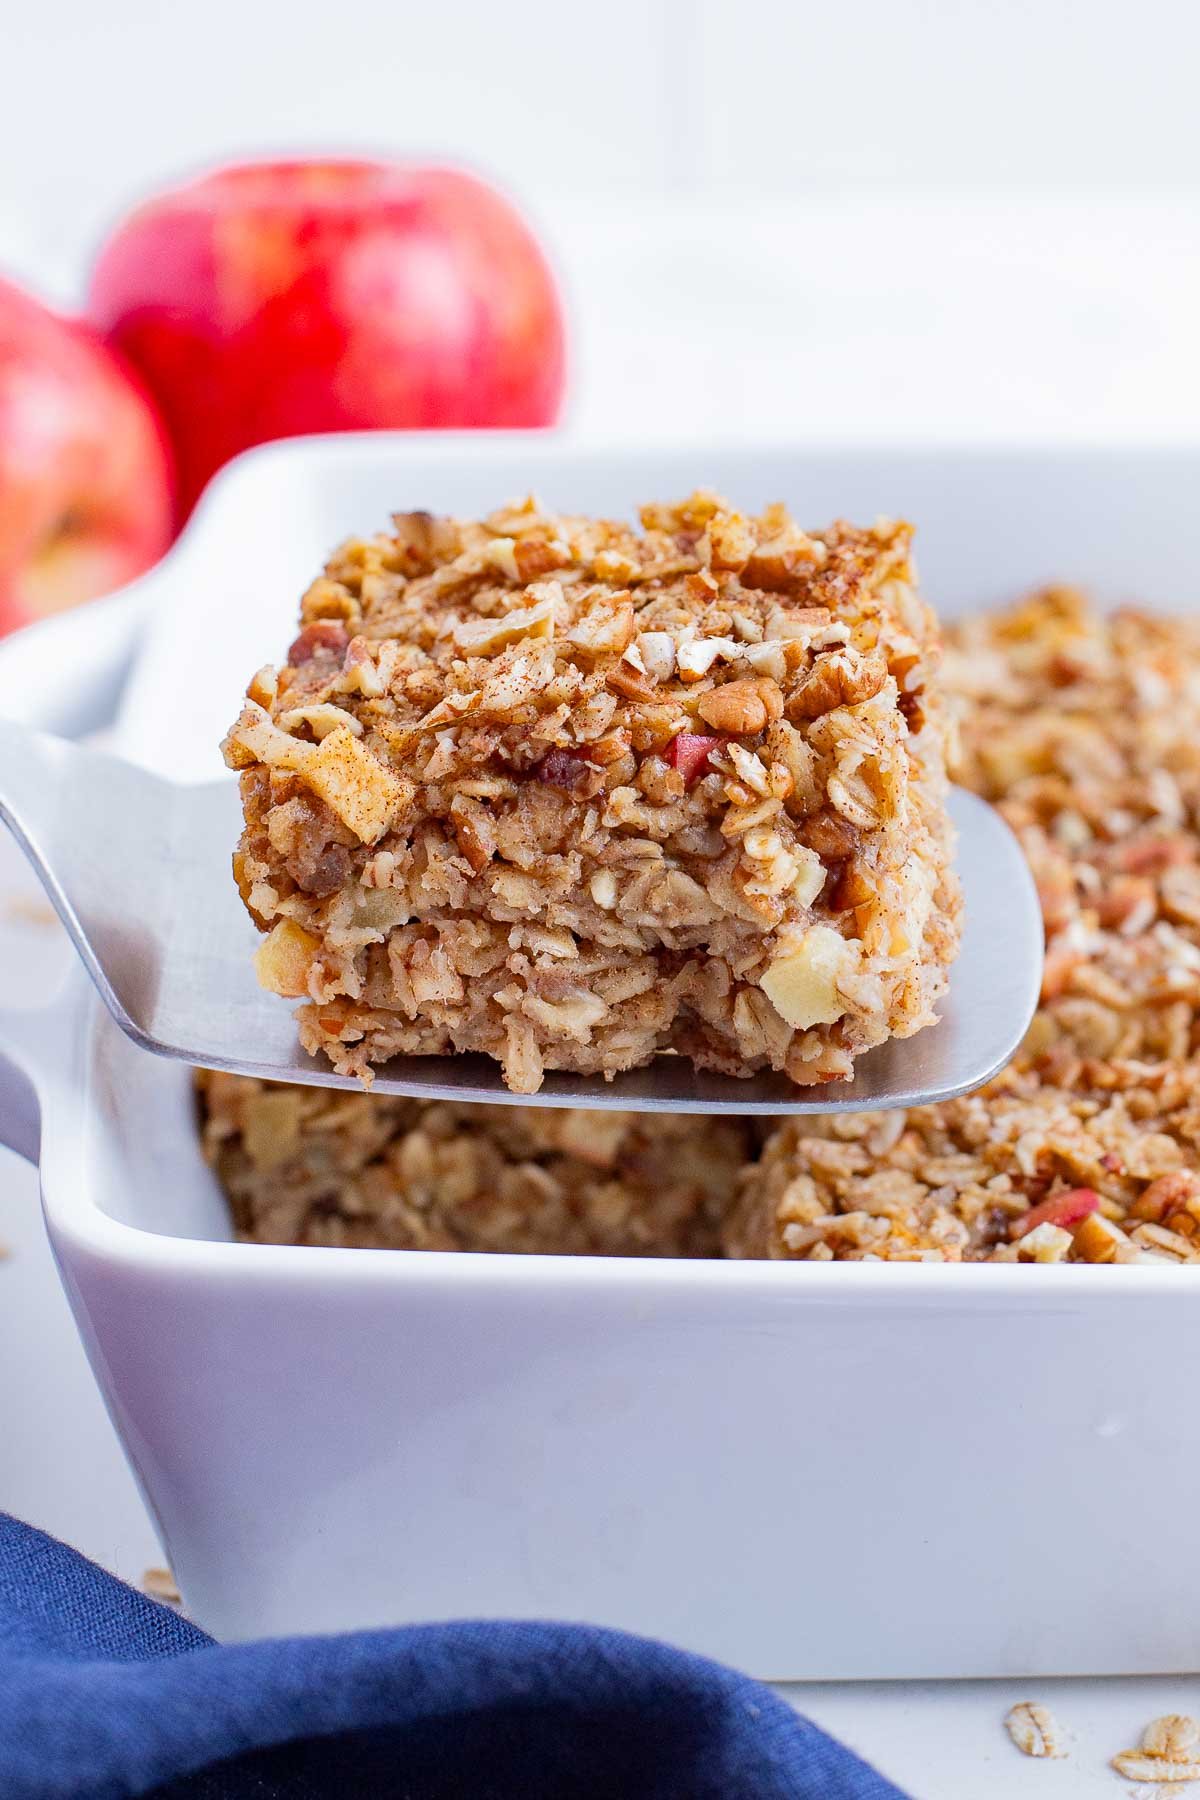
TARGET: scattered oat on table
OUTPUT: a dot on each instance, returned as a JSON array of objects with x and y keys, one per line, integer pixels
[
  {"x": 1137, "y": 1766},
  {"x": 1168, "y": 1757},
  {"x": 1174, "y": 1735},
  {"x": 159, "y": 1584},
  {"x": 1034, "y": 1730},
  {"x": 28, "y": 909}
]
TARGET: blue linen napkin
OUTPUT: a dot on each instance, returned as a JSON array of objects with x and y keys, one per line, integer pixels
[{"x": 104, "y": 1694}]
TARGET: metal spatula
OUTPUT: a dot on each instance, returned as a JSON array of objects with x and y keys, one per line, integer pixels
[{"x": 138, "y": 870}]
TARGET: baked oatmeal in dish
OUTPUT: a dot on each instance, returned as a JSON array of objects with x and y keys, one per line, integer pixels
[
  {"x": 1085, "y": 730},
  {"x": 305, "y": 1165},
  {"x": 573, "y": 794}
]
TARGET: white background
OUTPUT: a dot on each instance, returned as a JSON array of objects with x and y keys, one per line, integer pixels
[
  {"x": 937, "y": 218},
  {"x": 900, "y": 219}
]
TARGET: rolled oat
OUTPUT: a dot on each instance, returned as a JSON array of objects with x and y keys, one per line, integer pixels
[{"x": 1034, "y": 1730}]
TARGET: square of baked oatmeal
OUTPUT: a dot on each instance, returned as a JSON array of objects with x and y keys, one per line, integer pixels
[{"x": 574, "y": 794}]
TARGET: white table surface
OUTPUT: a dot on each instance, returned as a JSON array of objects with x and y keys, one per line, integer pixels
[
  {"x": 61, "y": 1468},
  {"x": 1001, "y": 320}
]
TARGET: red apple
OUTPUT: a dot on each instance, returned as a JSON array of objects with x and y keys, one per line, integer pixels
[
  {"x": 85, "y": 474},
  {"x": 276, "y": 298}
]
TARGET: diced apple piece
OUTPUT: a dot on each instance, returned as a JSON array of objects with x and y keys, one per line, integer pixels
[
  {"x": 810, "y": 876},
  {"x": 802, "y": 982},
  {"x": 1098, "y": 1240},
  {"x": 362, "y": 791},
  {"x": 283, "y": 959},
  {"x": 488, "y": 637},
  {"x": 689, "y": 753}
]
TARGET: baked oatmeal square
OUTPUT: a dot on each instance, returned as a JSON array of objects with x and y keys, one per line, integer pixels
[{"x": 574, "y": 794}]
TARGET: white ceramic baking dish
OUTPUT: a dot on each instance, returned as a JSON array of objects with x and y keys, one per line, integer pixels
[{"x": 812, "y": 1471}]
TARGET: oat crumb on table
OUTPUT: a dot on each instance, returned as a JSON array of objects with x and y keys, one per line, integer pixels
[
  {"x": 1034, "y": 1730},
  {"x": 1167, "y": 1758},
  {"x": 572, "y": 794},
  {"x": 27, "y": 909},
  {"x": 159, "y": 1584}
]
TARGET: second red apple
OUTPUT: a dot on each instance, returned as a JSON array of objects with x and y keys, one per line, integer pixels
[
  {"x": 85, "y": 477},
  {"x": 279, "y": 298}
]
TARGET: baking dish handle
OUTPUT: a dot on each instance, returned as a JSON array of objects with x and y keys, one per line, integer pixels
[
  {"x": 64, "y": 674},
  {"x": 20, "y": 1109}
]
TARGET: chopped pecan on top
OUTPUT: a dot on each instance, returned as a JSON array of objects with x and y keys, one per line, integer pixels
[
  {"x": 563, "y": 769},
  {"x": 839, "y": 678},
  {"x": 832, "y": 837},
  {"x": 742, "y": 708}
]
